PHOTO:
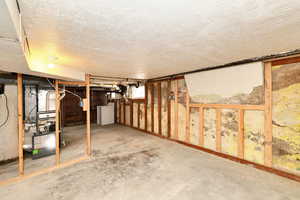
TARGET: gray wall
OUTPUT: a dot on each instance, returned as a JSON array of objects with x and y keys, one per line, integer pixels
[{"x": 9, "y": 132}]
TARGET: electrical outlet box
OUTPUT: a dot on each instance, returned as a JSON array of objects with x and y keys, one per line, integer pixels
[{"x": 1, "y": 89}]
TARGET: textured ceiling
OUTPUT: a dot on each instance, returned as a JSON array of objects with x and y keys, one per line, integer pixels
[{"x": 147, "y": 39}]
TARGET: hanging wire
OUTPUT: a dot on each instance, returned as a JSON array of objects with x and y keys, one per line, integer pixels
[
  {"x": 7, "y": 112},
  {"x": 64, "y": 90}
]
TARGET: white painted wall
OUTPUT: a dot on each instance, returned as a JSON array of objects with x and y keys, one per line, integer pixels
[
  {"x": 226, "y": 82},
  {"x": 9, "y": 133}
]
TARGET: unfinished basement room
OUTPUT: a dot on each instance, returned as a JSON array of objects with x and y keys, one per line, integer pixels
[{"x": 149, "y": 100}]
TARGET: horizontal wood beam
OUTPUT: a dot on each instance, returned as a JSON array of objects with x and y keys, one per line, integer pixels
[
  {"x": 285, "y": 61},
  {"x": 229, "y": 106},
  {"x": 76, "y": 83}
]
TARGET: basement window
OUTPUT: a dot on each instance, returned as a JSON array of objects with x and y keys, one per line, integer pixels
[{"x": 138, "y": 93}]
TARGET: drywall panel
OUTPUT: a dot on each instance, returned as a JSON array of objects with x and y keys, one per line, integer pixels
[
  {"x": 254, "y": 136},
  {"x": 241, "y": 84},
  {"x": 286, "y": 117},
  {"x": 9, "y": 131},
  {"x": 229, "y": 131}
]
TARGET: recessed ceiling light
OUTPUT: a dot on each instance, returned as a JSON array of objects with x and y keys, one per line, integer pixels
[{"x": 50, "y": 65}]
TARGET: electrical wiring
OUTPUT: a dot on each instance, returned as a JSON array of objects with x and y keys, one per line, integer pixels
[
  {"x": 64, "y": 90},
  {"x": 7, "y": 112}
]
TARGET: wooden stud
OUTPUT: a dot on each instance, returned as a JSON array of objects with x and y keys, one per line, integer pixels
[
  {"x": 169, "y": 109},
  {"x": 159, "y": 107},
  {"x": 152, "y": 108},
  {"x": 229, "y": 106},
  {"x": 268, "y": 114},
  {"x": 241, "y": 134},
  {"x": 131, "y": 113},
  {"x": 201, "y": 126},
  {"x": 88, "y": 116},
  {"x": 43, "y": 171},
  {"x": 57, "y": 123},
  {"x": 218, "y": 131},
  {"x": 124, "y": 112},
  {"x": 187, "y": 121},
  {"x": 285, "y": 61},
  {"x": 176, "y": 110},
  {"x": 146, "y": 106},
  {"x": 119, "y": 107},
  {"x": 75, "y": 83},
  {"x": 138, "y": 114},
  {"x": 20, "y": 124}
]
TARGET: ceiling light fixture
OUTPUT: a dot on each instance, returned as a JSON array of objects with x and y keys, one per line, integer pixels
[{"x": 51, "y": 66}]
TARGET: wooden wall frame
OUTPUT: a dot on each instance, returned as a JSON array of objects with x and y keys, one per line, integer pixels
[{"x": 22, "y": 175}]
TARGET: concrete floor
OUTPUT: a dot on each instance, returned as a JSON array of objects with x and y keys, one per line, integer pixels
[{"x": 128, "y": 164}]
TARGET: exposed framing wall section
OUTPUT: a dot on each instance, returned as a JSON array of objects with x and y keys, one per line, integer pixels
[
  {"x": 22, "y": 174},
  {"x": 174, "y": 115}
]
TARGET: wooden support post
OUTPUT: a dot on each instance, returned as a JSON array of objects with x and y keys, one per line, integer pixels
[
  {"x": 187, "y": 121},
  {"x": 138, "y": 114},
  {"x": 124, "y": 112},
  {"x": 88, "y": 116},
  {"x": 152, "y": 107},
  {"x": 146, "y": 106},
  {"x": 159, "y": 107},
  {"x": 176, "y": 110},
  {"x": 20, "y": 124},
  {"x": 119, "y": 107},
  {"x": 241, "y": 134},
  {"x": 57, "y": 123},
  {"x": 268, "y": 114},
  {"x": 131, "y": 113},
  {"x": 218, "y": 131},
  {"x": 169, "y": 109},
  {"x": 201, "y": 126}
]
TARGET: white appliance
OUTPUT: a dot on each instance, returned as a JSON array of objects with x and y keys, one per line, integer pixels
[{"x": 106, "y": 114}]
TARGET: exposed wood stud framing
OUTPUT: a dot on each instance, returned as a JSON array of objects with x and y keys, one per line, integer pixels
[
  {"x": 285, "y": 61},
  {"x": 120, "y": 114},
  {"x": 159, "y": 107},
  {"x": 218, "y": 130},
  {"x": 187, "y": 121},
  {"x": 169, "y": 109},
  {"x": 146, "y": 106},
  {"x": 241, "y": 134},
  {"x": 131, "y": 113},
  {"x": 176, "y": 110},
  {"x": 57, "y": 123},
  {"x": 201, "y": 126},
  {"x": 20, "y": 124},
  {"x": 268, "y": 114},
  {"x": 124, "y": 113},
  {"x": 88, "y": 116},
  {"x": 229, "y": 106},
  {"x": 138, "y": 114},
  {"x": 152, "y": 107}
]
